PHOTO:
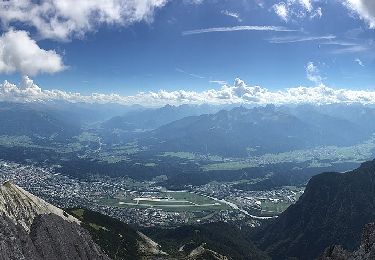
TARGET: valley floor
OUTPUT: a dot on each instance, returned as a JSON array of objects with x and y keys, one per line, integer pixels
[{"x": 149, "y": 204}]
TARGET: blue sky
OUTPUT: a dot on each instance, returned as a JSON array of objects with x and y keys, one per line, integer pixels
[{"x": 164, "y": 49}]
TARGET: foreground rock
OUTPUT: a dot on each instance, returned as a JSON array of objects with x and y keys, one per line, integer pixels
[
  {"x": 332, "y": 211},
  {"x": 22, "y": 207},
  {"x": 55, "y": 239},
  {"x": 366, "y": 250},
  {"x": 32, "y": 229}
]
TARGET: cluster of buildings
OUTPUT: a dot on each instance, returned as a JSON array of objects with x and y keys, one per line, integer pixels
[{"x": 67, "y": 192}]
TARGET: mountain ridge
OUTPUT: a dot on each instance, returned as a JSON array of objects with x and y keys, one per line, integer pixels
[
  {"x": 333, "y": 210},
  {"x": 241, "y": 132},
  {"x": 22, "y": 207}
]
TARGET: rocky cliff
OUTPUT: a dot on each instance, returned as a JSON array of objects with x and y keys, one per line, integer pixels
[
  {"x": 333, "y": 210},
  {"x": 366, "y": 250},
  {"x": 32, "y": 229}
]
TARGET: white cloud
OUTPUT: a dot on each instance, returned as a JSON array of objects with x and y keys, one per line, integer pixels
[
  {"x": 220, "y": 82},
  {"x": 352, "y": 49},
  {"x": 339, "y": 43},
  {"x": 360, "y": 63},
  {"x": 18, "y": 52},
  {"x": 296, "y": 9},
  {"x": 313, "y": 74},
  {"x": 59, "y": 20},
  {"x": 238, "y": 28},
  {"x": 318, "y": 13},
  {"x": 306, "y": 4},
  {"x": 281, "y": 10},
  {"x": 239, "y": 92},
  {"x": 193, "y": 2},
  {"x": 232, "y": 14},
  {"x": 293, "y": 39},
  {"x": 364, "y": 8},
  {"x": 56, "y": 19}
]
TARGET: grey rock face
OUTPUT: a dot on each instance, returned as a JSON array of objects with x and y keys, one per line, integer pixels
[
  {"x": 57, "y": 239},
  {"x": 32, "y": 229},
  {"x": 50, "y": 238},
  {"x": 15, "y": 243},
  {"x": 366, "y": 251},
  {"x": 335, "y": 253},
  {"x": 22, "y": 206}
]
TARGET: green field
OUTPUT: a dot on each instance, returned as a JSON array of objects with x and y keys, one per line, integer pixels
[
  {"x": 318, "y": 157},
  {"x": 272, "y": 209},
  {"x": 169, "y": 201}
]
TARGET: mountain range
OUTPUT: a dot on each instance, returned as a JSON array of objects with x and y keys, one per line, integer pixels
[
  {"x": 148, "y": 119},
  {"x": 230, "y": 132},
  {"x": 36, "y": 123},
  {"x": 241, "y": 132},
  {"x": 333, "y": 210}
]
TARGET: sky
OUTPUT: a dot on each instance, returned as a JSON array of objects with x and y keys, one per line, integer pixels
[{"x": 188, "y": 51}]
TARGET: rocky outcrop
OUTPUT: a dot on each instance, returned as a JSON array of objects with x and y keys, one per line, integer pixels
[
  {"x": 366, "y": 250},
  {"x": 58, "y": 239},
  {"x": 332, "y": 211},
  {"x": 51, "y": 238},
  {"x": 335, "y": 253},
  {"x": 202, "y": 253},
  {"x": 15, "y": 243},
  {"x": 22, "y": 206},
  {"x": 148, "y": 248},
  {"x": 32, "y": 229}
]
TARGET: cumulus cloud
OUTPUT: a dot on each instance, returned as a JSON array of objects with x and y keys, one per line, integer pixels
[
  {"x": 18, "y": 52},
  {"x": 237, "y": 93},
  {"x": 306, "y": 4},
  {"x": 364, "y": 8},
  {"x": 297, "y": 9},
  {"x": 313, "y": 74},
  {"x": 281, "y": 10},
  {"x": 59, "y": 20},
  {"x": 56, "y": 19}
]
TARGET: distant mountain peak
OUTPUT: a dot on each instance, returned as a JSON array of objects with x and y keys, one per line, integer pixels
[
  {"x": 22, "y": 207},
  {"x": 169, "y": 106}
]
